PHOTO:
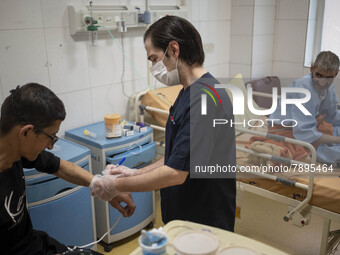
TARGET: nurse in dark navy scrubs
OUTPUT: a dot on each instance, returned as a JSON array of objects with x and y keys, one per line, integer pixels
[{"x": 174, "y": 47}]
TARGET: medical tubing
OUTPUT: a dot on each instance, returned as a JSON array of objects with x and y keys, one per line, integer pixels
[
  {"x": 86, "y": 245},
  {"x": 123, "y": 72},
  {"x": 131, "y": 64}
]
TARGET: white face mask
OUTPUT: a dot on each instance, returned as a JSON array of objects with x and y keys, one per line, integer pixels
[{"x": 160, "y": 72}]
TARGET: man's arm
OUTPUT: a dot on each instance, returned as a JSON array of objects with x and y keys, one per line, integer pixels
[
  {"x": 109, "y": 186},
  {"x": 125, "y": 171},
  {"x": 326, "y": 139},
  {"x": 151, "y": 167},
  {"x": 77, "y": 175},
  {"x": 73, "y": 173},
  {"x": 158, "y": 178}
]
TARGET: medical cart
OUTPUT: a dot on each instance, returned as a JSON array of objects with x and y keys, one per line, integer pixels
[
  {"x": 139, "y": 150},
  {"x": 62, "y": 209}
]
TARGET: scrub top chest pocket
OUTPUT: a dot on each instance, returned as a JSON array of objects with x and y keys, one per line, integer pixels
[{"x": 172, "y": 126}]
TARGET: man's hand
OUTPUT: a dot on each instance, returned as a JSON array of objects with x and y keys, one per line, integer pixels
[
  {"x": 119, "y": 170},
  {"x": 130, "y": 207},
  {"x": 104, "y": 187}
]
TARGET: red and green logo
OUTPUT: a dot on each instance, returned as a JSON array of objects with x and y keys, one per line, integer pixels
[
  {"x": 204, "y": 97},
  {"x": 209, "y": 93}
]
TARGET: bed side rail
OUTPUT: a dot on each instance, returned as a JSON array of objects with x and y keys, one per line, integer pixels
[{"x": 279, "y": 138}]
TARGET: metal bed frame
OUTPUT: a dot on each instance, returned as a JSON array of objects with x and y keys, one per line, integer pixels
[{"x": 330, "y": 239}]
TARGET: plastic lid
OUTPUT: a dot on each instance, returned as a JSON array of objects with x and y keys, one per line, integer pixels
[
  {"x": 237, "y": 250},
  {"x": 196, "y": 243},
  {"x": 112, "y": 116}
]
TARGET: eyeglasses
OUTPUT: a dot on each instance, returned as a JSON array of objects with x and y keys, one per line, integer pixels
[
  {"x": 53, "y": 138},
  {"x": 319, "y": 75}
]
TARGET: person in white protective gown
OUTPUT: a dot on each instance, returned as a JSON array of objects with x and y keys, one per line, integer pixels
[{"x": 323, "y": 103}]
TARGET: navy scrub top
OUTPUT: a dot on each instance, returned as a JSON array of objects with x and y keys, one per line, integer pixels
[{"x": 205, "y": 201}]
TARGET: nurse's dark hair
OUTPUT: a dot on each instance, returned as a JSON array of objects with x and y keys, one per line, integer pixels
[
  {"x": 327, "y": 61},
  {"x": 31, "y": 104},
  {"x": 173, "y": 28}
]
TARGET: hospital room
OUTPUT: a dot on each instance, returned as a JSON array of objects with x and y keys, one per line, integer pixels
[{"x": 187, "y": 127}]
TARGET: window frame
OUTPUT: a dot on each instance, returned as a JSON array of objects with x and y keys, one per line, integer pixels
[{"x": 314, "y": 31}]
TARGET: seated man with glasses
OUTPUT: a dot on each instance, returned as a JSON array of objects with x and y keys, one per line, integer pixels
[
  {"x": 53, "y": 138},
  {"x": 30, "y": 119},
  {"x": 322, "y": 127}
]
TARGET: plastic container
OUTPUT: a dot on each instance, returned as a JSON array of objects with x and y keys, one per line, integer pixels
[
  {"x": 196, "y": 243},
  {"x": 112, "y": 125},
  {"x": 155, "y": 249}
]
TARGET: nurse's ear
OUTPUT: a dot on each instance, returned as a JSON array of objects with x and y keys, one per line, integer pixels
[
  {"x": 312, "y": 68},
  {"x": 173, "y": 49}
]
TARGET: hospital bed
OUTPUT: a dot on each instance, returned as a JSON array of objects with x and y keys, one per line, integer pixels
[{"x": 302, "y": 199}]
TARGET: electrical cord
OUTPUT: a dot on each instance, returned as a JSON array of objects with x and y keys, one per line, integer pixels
[
  {"x": 132, "y": 66},
  {"x": 86, "y": 245},
  {"x": 123, "y": 72}
]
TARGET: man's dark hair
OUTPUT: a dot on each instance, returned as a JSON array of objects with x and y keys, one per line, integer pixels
[
  {"x": 31, "y": 104},
  {"x": 173, "y": 28}
]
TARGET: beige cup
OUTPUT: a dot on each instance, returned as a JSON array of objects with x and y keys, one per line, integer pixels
[{"x": 112, "y": 125}]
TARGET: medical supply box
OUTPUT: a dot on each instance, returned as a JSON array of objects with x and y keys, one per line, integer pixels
[
  {"x": 62, "y": 209},
  {"x": 139, "y": 150}
]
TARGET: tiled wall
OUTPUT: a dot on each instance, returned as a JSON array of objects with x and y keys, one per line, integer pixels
[
  {"x": 252, "y": 37},
  {"x": 263, "y": 38},
  {"x": 268, "y": 37},
  {"x": 212, "y": 19},
  {"x": 290, "y": 38},
  {"x": 241, "y": 37},
  {"x": 36, "y": 46}
]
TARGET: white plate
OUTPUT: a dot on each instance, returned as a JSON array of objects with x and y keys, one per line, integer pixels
[{"x": 195, "y": 243}]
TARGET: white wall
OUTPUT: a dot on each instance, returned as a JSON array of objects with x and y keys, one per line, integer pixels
[
  {"x": 263, "y": 38},
  {"x": 36, "y": 46},
  {"x": 290, "y": 39},
  {"x": 212, "y": 18},
  {"x": 242, "y": 16},
  {"x": 268, "y": 37},
  {"x": 252, "y": 38}
]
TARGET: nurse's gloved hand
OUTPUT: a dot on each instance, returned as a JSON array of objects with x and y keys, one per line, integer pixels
[
  {"x": 123, "y": 171},
  {"x": 104, "y": 187}
]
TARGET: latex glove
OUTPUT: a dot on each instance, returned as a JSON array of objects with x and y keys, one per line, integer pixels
[
  {"x": 130, "y": 207},
  {"x": 104, "y": 187},
  {"x": 122, "y": 171}
]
